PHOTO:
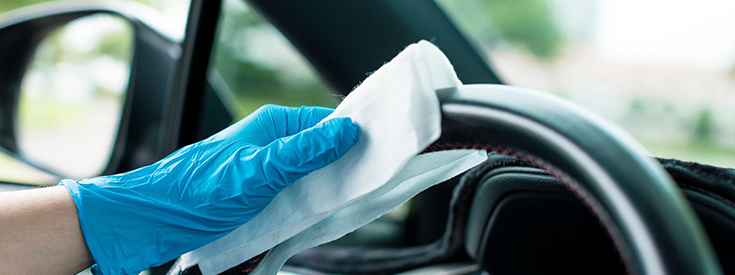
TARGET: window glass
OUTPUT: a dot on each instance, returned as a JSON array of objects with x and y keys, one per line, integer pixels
[
  {"x": 72, "y": 94},
  {"x": 257, "y": 65},
  {"x": 662, "y": 70}
]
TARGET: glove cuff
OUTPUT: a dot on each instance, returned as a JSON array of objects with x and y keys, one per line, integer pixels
[{"x": 102, "y": 264}]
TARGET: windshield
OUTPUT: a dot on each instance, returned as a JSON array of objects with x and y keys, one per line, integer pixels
[{"x": 662, "y": 70}]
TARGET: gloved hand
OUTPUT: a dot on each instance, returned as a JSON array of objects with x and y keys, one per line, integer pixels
[{"x": 151, "y": 215}]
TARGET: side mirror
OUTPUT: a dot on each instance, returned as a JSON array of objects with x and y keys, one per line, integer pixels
[
  {"x": 72, "y": 94},
  {"x": 131, "y": 108}
]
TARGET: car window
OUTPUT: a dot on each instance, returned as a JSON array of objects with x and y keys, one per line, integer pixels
[
  {"x": 662, "y": 70},
  {"x": 256, "y": 65},
  {"x": 72, "y": 93}
]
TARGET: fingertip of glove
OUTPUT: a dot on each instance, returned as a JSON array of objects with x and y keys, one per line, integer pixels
[
  {"x": 345, "y": 130},
  {"x": 310, "y": 116},
  {"x": 313, "y": 148}
]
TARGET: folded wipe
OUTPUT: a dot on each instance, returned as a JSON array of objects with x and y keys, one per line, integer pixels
[
  {"x": 398, "y": 113},
  {"x": 422, "y": 172}
]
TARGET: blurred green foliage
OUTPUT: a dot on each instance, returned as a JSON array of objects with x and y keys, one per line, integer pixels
[
  {"x": 117, "y": 44},
  {"x": 45, "y": 105},
  {"x": 516, "y": 29},
  {"x": 704, "y": 126},
  {"x": 46, "y": 112},
  {"x": 524, "y": 24},
  {"x": 256, "y": 80},
  {"x": 528, "y": 23},
  {"x": 14, "y": 4}
]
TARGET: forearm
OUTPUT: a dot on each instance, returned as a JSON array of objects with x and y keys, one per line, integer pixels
[
  {"x": 149, "y": 216},
  {"x": 40, "y": 233}
]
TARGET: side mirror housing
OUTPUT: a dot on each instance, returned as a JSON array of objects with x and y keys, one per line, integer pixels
[{"x": 155, "y": 60}]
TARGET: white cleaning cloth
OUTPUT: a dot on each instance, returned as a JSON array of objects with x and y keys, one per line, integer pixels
[
  {"x": 398, "y": 113},
  {"x": 421, "y": 172}
]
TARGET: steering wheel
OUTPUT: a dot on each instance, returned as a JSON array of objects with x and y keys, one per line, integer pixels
[
  {"x": 651, "y": 225},
  {"x": 653, "y": 228}
]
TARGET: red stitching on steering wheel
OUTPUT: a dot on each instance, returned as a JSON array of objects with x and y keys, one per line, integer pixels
[{"x": 578, "y": 191}]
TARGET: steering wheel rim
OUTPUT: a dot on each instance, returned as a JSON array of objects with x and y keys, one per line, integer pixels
[{"x": 653, "y": 227}]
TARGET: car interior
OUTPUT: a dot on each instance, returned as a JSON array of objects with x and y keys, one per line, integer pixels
[{"x": 564, "y": 190}]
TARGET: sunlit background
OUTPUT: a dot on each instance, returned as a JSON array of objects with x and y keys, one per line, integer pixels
[
  {"x": 664, "y": 71},
  {"x": 73, "y": 91}
]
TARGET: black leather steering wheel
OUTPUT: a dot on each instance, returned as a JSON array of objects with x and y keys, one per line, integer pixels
[
  {"x": 652, "y": 226},
  {"x": 646, "y": 216}
]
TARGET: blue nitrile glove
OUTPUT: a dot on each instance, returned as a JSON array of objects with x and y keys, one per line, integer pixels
[{"x": 151, "y": 215}]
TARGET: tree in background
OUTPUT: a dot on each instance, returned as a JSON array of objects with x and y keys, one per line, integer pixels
[
  {"x": 14, "y": 4},
  {"x": 529, "y": 23},
  {"x": 252, "y": 76},
  {"x": 704, "y": 126},
  {"x": 253, "y": 80}
]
